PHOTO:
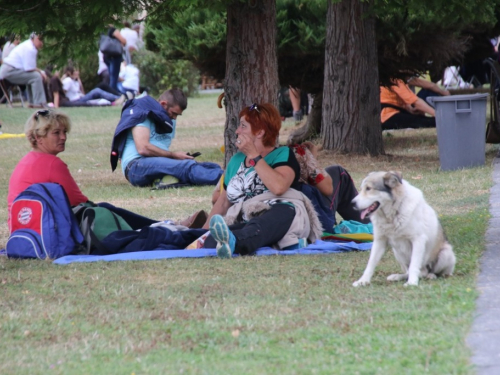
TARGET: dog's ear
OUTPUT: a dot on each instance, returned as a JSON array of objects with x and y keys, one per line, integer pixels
[
  {"x": 392, "y": 179},
  {"x": 399, "y": 174}
]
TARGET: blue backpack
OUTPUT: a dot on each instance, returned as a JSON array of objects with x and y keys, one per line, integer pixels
[{"x": 42, "y": 224}]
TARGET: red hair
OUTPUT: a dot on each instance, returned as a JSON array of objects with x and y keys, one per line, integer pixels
[{"x": 265, "y": 117}]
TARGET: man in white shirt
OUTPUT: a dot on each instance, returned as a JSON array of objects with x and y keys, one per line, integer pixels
[
  {"x": 131, "y": 36},
  {"x": 20, "y": 68}
]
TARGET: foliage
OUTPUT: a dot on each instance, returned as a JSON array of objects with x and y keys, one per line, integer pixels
[
  {"x": 71, "y": 27},
  {"x": 199, "y": 35},
  {"x": 301, "y": 43},
  {"x": 195, "y": 34},
  {"x": 159, "y": 73},
  {"x": 409, "y": 35},
  {"x": 413, "y": 33},
  {"x": 410, "y": 32},
  {"x": 88, "y": 71}
]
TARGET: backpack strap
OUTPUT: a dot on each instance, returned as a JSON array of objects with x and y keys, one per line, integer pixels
[
  {"x": 101, "y": 248},
  {"x": 96, "y": 223}
]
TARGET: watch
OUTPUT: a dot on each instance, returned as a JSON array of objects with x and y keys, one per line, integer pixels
[{"x": 254, "y": 161}]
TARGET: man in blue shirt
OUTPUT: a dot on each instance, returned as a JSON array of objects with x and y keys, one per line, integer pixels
[{"x": 142, "y": 141}]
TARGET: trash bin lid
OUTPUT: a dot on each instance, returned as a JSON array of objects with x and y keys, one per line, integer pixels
[{"x": 452, "y": 98}]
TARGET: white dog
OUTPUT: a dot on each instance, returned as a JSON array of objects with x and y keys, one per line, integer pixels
[{"x": 402, "y": 218}]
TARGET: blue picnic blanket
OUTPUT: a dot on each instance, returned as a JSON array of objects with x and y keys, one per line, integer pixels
[{"x": 319, "y": 247}]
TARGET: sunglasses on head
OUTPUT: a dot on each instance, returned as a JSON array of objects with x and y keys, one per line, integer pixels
[
  {"x": 254, "y": 107},
  {"x": 43, "y": 113}
]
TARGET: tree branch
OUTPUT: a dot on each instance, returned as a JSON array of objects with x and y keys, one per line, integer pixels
[{"x": 23, "y": 10}]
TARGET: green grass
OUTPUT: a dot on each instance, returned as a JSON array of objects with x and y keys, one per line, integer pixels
[{"x": 251, "y": 315}]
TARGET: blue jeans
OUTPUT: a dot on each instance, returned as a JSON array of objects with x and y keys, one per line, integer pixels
[
  {"x": 147, "y": 169},
  {"x": 97, "y": 94},
  {"x": 113, "y": 64},
  {"x": 124, "y": 90}
]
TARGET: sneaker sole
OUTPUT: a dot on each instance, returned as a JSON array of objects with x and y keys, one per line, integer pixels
[
  {"x": 220, "y": 233},
  {"x": 219, "y": 230},
  {"x": 223, "y": 251}
]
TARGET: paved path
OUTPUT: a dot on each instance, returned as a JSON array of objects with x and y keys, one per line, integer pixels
[{"x": 484, "y": 337}]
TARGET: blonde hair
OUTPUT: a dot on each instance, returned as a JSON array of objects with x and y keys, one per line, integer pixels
[{"x": 42, "y": 122}]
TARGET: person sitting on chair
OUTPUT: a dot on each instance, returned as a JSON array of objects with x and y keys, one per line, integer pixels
[{"x": 19, "y": 68}]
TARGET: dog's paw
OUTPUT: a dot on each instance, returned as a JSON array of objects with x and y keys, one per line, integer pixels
[
  {"x": 431, "y": 276},
  {"x": 413, "y": 283},
  {"x": 397, "y": 277},
  {"x": 361, "y": 282}
]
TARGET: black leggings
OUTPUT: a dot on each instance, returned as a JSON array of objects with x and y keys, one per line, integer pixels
[
  {"x": 344, "y": 192},
  {"x": 264, "y": 230},
  {"x": 402, "y": 120}
]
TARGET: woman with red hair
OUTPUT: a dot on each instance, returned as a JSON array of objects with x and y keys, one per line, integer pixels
[{"x": 260, "y": 205}]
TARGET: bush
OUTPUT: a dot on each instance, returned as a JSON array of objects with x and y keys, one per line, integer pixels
[{"x": 160, "y": 74}]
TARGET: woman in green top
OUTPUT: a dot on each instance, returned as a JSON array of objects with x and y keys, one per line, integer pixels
[{"x": 259, "y": 167}]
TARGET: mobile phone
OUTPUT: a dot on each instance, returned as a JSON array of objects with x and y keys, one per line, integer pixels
[{"x": 194, "y": 154}]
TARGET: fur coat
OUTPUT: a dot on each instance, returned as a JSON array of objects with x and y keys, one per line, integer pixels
[{"x": 304, "y": 225}]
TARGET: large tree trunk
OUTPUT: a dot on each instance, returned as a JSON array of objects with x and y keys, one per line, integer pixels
[
  {"x": 251, "y": 62},
  {"x": 351, "y": 94},
  {"x": 312, "y": 127}
]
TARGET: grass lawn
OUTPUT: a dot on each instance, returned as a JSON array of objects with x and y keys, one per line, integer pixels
[{"x": 250, "y": 315}]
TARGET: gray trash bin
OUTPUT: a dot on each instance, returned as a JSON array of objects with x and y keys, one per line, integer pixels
[{"x": 461, "y": 127}]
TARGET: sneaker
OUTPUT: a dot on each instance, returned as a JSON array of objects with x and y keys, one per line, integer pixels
[
  {"x": 103, "y": 101},
  {"x": 161, "y": 183},
  {"x": 224, "y": 237}
]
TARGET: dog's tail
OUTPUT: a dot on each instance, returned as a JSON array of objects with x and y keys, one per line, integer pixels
[{"x": 446, "y": 260}]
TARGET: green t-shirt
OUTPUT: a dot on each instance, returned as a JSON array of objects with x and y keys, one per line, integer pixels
[{"x": 242, "y": 182}]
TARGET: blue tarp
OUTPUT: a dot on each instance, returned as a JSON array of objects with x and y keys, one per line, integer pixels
[{"x": 319, "y": 247}]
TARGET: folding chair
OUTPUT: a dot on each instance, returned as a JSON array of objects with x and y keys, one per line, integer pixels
[
  {"x": 5, "y": 92},
  {"x": 8, "y": 91}
]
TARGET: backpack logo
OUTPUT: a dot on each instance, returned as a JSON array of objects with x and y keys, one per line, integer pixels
[{"x": 25, "y": 215}]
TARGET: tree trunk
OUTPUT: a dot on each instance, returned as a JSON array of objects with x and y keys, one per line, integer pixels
[
  {"x": 351, "y": 93},
  {"x": 312, "y": 127},
  {"x": 251, "y": 62}
]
